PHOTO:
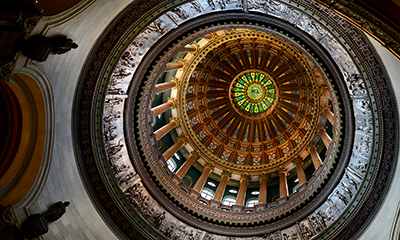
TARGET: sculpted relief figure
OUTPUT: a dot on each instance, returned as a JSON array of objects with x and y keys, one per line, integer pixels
[
  {"x": 318, "y": 227},
  {"x": 127, "y": 59},
  {"x": 191, "y": 235},
  {"x": 196, "y": 6},
  {"x": 351, "y": 181},
  {"x": 208, "y": 237},
  {"x": 365, "y": 146},
  {"x": 116, "y": 91},
  {"x": 158, "y": 219},
  {"x": 365, "y": 108},
  {"x": 155, "y": 26},
  {"x": 113, "y": 101},
  {"x": 211, "y": 4},
  {"x": 180, "y": 13},
  {"x": 115, "y": 158},
  {"x": 321, "y": 216},
  {"x": 110, "y": 137},
  {"x": 117, "y": 168},
  {"x": 305, "y": 231},
  {"x": 108, "y": 129},
  {"x": 120, "y": 73},
  {"x": 114, "y": 115},
  {"x": 125, "y": 178},
  {"x": 342, "y": 197},
  {"x": 366, "y": 127},
  {"x": 347, "y": 190},
  {"x": 292, "y": 236},
  {"x": 362, "y": 167},
  {"x": 180, "y": 233},
  {"x": 356, "y": 85},
  {"x": 115, "y": 148},
  {"x": 169, "y": 230}
]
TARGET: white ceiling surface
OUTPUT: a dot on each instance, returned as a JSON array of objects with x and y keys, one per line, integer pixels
[
  {"x": 386, "y": 224},
  {"x": 81, "y": 220}
]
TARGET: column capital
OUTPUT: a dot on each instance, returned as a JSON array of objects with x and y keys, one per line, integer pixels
[
  {"x": 230, "y": 32},
  {"x": 245, "y": 176},
  {"x": 227, "y": 173},
  {"x": 195, "y": 154},
  {"x": 198, "y": 48},
  {"x": 321, "y": 89},
  {"x": 177, "y": 81},
  {"x": 185, "y": 63},
  {"x": 283, "y": 170},
  {"x": 297, "y": 160},
  {"x": 323, "y": 107},
  {"x": 210, "y": 36},
  {"x": 184, "y": 138},
  {"x": 174, "y": 102},
  {"x": 176, "y": 120},
  {"x": 310, "y": 145},
  {"x": 210, "y": 165},
  {"x": 264, "y": 175},
  {"x": 320, "y": 127}
]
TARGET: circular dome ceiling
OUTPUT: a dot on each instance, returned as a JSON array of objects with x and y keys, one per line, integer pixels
[
  {"x": 228, "y": 143},
  {"x": 252, "y": 100},
  {"x": 261, "y": 92}
]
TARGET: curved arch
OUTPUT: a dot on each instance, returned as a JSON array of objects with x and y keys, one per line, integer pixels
[{"x": 26, "y": 176}]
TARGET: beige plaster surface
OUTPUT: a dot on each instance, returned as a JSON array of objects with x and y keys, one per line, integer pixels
[{"x": 63, "y": 183}]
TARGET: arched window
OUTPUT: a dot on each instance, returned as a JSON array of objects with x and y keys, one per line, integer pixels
[
  {"x": 171, "y": 165},
  {"x": 212, "y": 184},
  {"x": 251, "y": 203},
  {"x": 232, "y": 191},
  {"x": 229, "y": 201},
  {"x": 207, "y": 194}
]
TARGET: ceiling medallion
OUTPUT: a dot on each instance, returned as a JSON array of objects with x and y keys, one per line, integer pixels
[{"x": 253, "y": 94}]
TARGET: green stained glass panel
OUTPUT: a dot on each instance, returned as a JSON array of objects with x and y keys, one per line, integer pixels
[{"x": 253, "y": 93}]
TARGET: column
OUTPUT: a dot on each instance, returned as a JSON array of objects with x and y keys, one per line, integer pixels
[
  {"x": 264, "y": 179},
  {"x": 321, "y": 131},
  {"x": 171, "y": 66},
  {"x": 324, "y": 91},
  {"x": 326, "y": 111},
  {"x": 182, "y": 140},
  {"x": 186, "y": 165},
  {"x": 174, "y": 122},
  {"x": 189, "y": 48},
  {"x": 203, "y": 178},
  {"x": 244, "y": 179},
  {"x": 283, "y": 187},
  {"x": 172, "y": 103},
  {"x": 300, "y": 171},
  {"x": 209, "y": 36},
  {"x": 225, "y": 176},
  {"x": 162, "y": 87},
  {"x": 314, "y": 155}
]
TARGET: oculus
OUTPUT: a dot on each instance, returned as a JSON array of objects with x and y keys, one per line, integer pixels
[{"x": 253, "y": 93}]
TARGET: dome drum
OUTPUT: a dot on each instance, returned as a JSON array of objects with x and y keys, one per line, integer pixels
[{"x": 309, "y": 100}]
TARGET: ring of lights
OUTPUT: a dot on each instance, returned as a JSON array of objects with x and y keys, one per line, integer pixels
[{"x": 253, "y": 94}]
